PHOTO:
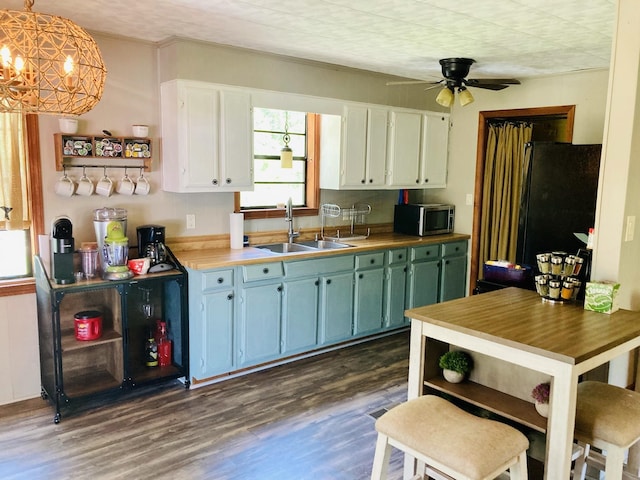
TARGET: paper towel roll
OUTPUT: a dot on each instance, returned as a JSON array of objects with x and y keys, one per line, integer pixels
[{"x": 236, "y": 229}]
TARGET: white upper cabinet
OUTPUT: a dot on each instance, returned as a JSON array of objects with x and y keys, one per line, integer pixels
[
  {"x": 434, "y": 150},
  {"x": 403, "y": 158},
  {"x": 353, "y": 149},
  {"x": 418, "y": 150},
  {"x": 207, "y": 136}
]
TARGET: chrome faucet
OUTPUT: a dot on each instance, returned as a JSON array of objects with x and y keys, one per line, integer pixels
[{"x": 288, "y": 217}]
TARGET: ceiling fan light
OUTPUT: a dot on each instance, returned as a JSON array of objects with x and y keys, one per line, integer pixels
[
  {"x": 445, "y": 97},
  {"x": 465, "y": 96}
]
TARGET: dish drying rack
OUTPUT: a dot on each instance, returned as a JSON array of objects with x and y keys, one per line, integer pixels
[{"x": 355, "y": 215}]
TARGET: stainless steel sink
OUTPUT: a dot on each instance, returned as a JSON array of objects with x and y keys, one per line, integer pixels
[
  {"x": 324, "y": 244},
  {"x": 286, "y": 247}
]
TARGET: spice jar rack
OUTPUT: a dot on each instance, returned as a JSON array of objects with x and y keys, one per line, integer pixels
[
  {"x": 558, "y": 281},
  {"x": 101, "y": 151}
]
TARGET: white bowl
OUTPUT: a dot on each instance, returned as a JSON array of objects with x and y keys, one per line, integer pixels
[
  {"x": 140, "y": 130},
  {"x": 68, "y": 125}
]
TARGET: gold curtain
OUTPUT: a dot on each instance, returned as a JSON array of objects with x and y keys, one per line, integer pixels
[
  {"x": 503, "y": 173},
  {"x": 14, "y": 207}
]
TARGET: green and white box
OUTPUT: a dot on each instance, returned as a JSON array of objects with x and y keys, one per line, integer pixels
[{"x": 601, "y": 296}]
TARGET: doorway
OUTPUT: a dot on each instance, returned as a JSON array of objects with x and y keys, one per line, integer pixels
[{"x": 549, "y": 124}]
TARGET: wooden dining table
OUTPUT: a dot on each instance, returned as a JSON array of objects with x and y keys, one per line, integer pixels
[{"x": 518, "y": 327}]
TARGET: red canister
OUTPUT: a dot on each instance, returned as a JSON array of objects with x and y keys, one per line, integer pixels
[{"x": 88, "y": 325}]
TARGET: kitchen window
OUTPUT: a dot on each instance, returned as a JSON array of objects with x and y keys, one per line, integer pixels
[
  {"x": 20, "y": 201},
  {"x": 273, "y": 184}
]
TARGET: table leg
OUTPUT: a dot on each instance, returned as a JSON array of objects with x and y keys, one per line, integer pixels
[
  {"x": 417, "y": 346},
  {"x": 560, "y": 425}
]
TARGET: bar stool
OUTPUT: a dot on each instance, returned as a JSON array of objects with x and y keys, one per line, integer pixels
[
  {"x": 607, "y": 417},
  {"x": 453, "y": 442}
]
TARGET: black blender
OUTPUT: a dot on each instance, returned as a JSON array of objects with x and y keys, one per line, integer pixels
[{"x": 151, "y": 244}]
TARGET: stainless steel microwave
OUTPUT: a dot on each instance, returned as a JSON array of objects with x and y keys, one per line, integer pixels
[{"x": 423, "y": 219}]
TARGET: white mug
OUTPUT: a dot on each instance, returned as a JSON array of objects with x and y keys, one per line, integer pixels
[
  {"x": 142, "y": 185},
  {"x": 85, "y": 186},
  {"x": 68, "y": 125},
  {"x": 140, "y": 131},
  {"x": 126, "y": 186},
  {"x": 65, "y": 186},
  {"x": 105, "y": 187}
]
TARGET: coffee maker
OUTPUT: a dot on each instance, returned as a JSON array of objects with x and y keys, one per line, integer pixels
[
  {"x": 62, "y": 248},
  {"x": 151, "y": 244}
]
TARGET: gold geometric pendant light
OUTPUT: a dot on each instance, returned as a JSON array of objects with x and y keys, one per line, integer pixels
[{"x": 48, "y": 64}]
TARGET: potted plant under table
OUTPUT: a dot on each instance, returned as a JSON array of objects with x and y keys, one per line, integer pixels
[
  {"x": 455, "y": 365},
  {"x": 541, "y": 394}
]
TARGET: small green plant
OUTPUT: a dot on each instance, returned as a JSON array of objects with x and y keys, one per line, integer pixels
[
  {"x": 541, "y": 392},
  {"x": 456, "y": 360}
]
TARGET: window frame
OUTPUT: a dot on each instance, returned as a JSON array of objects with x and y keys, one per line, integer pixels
[
  {"x": 312, "y": 181},
  {"x": 22, "y": 286}
]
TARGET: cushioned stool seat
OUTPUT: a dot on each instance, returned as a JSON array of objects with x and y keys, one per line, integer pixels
[
  {"x": 607, "y": 417},
  {"x": 454, "y": 442}
]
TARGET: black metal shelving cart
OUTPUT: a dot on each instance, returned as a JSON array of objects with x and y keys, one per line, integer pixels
[{"x": 79, "y": 374}]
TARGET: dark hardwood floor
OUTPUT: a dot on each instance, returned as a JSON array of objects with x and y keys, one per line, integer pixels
[{"x": 305, "y": 420}]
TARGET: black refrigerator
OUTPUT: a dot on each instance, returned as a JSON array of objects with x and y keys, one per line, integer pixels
[{"x": 558, "y": 199}]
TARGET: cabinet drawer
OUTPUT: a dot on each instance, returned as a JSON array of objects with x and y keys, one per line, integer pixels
[
  {"x": 319, "y": 266},
  {"x": 397, "y": 256},
  {"x": 263, "y": 271},
  {"x": 454, "y": 248},
  {"x": 428, "y": 252},
  {"x": 217, "y": 279},
  {"x": 369, "y": 260}
]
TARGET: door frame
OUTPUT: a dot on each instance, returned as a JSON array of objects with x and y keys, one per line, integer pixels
[{"x": 529, "y": 114}]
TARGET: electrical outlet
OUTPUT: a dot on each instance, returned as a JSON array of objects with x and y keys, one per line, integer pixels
[
  {"x": 469, "y": 199},
  {"x": 631, "y": 226},
  {"x": 191, "y": 221}
]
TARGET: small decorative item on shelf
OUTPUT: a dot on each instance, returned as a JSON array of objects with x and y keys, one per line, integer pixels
[
  {"x": 541, "y": 394},
  {"x": 455, "y": 365},
  {"x": 558, "y": 279}
]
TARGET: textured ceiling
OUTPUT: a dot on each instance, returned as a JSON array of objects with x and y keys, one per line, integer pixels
[{"x": 507, "y": 38}]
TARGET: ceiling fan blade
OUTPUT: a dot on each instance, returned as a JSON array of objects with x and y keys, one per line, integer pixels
[
  {"x": 436, "y": 85},
  {"x": 494, "y": 81},
  {"x": 487, "y": 86},
  {"x": 406, "y": 82}
]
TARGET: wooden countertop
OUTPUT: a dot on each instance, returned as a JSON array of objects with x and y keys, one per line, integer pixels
[
  {"x": 204, "y": 259},
  {"x": 519, "y": 318}
]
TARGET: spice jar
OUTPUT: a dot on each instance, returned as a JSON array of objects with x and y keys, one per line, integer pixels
[
  {"x": 554, "y": 289},
  {"x": 543, "y": 286},
  {"x": 556, "y": 265},
  {"x": 569, "y": 266},
  {"x": 543, "y": 262},
  {"x": 578, "y": 266},
  {"x": 567, "y": 290}
]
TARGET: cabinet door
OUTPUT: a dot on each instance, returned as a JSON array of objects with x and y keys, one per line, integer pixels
[
  {"x": 423, "y": 284},
  {"x": 376, "y": 147},
  {"x": 404, "y": 149},
  {"x": 367, "y": 313},
  {"x": 434, "y": 151},
  {"x": 212, "y": 335},
  {"x": 236, "y": 147},
  {"x": 259, "y": 326},
  {"x": 198, "y": 128},
  {"x": 354, "y": 147},
  {"x": 336, "y": 307},
  {"x": 300, "y": 315},
  {"x": 453, "y": 280},
  {"x": 394, "y": 296}
]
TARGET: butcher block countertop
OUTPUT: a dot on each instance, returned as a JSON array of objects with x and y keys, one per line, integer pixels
[{"x": 210, "y": 258}]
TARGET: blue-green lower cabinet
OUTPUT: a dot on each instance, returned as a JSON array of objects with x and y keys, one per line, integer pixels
[
  {"x": 336, "y": 307},
  {"x": 368, "y": 293},
  {"x": 259, "y": 323},
  {"x": 300, "y": 315},
  {"x": 453, "y": 274}
]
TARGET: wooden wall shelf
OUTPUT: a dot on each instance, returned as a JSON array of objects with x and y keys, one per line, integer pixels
[{"x": 99, "y": 151}]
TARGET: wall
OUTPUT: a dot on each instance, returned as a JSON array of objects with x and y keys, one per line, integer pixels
[{"x": 131, "y": 96}]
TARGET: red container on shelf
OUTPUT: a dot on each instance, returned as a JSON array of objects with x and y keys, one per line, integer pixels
[{"x": 88, "y": 325}]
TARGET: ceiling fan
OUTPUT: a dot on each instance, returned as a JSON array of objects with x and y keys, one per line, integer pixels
[{"x": 455, "y": 71}]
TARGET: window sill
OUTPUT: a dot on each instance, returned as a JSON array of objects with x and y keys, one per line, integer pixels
[
  {"x": 277, "y": 213},
  {"x": 22, "y": 286}
]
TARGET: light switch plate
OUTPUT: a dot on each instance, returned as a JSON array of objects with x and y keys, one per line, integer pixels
[{"x": 631, "y": 226}]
